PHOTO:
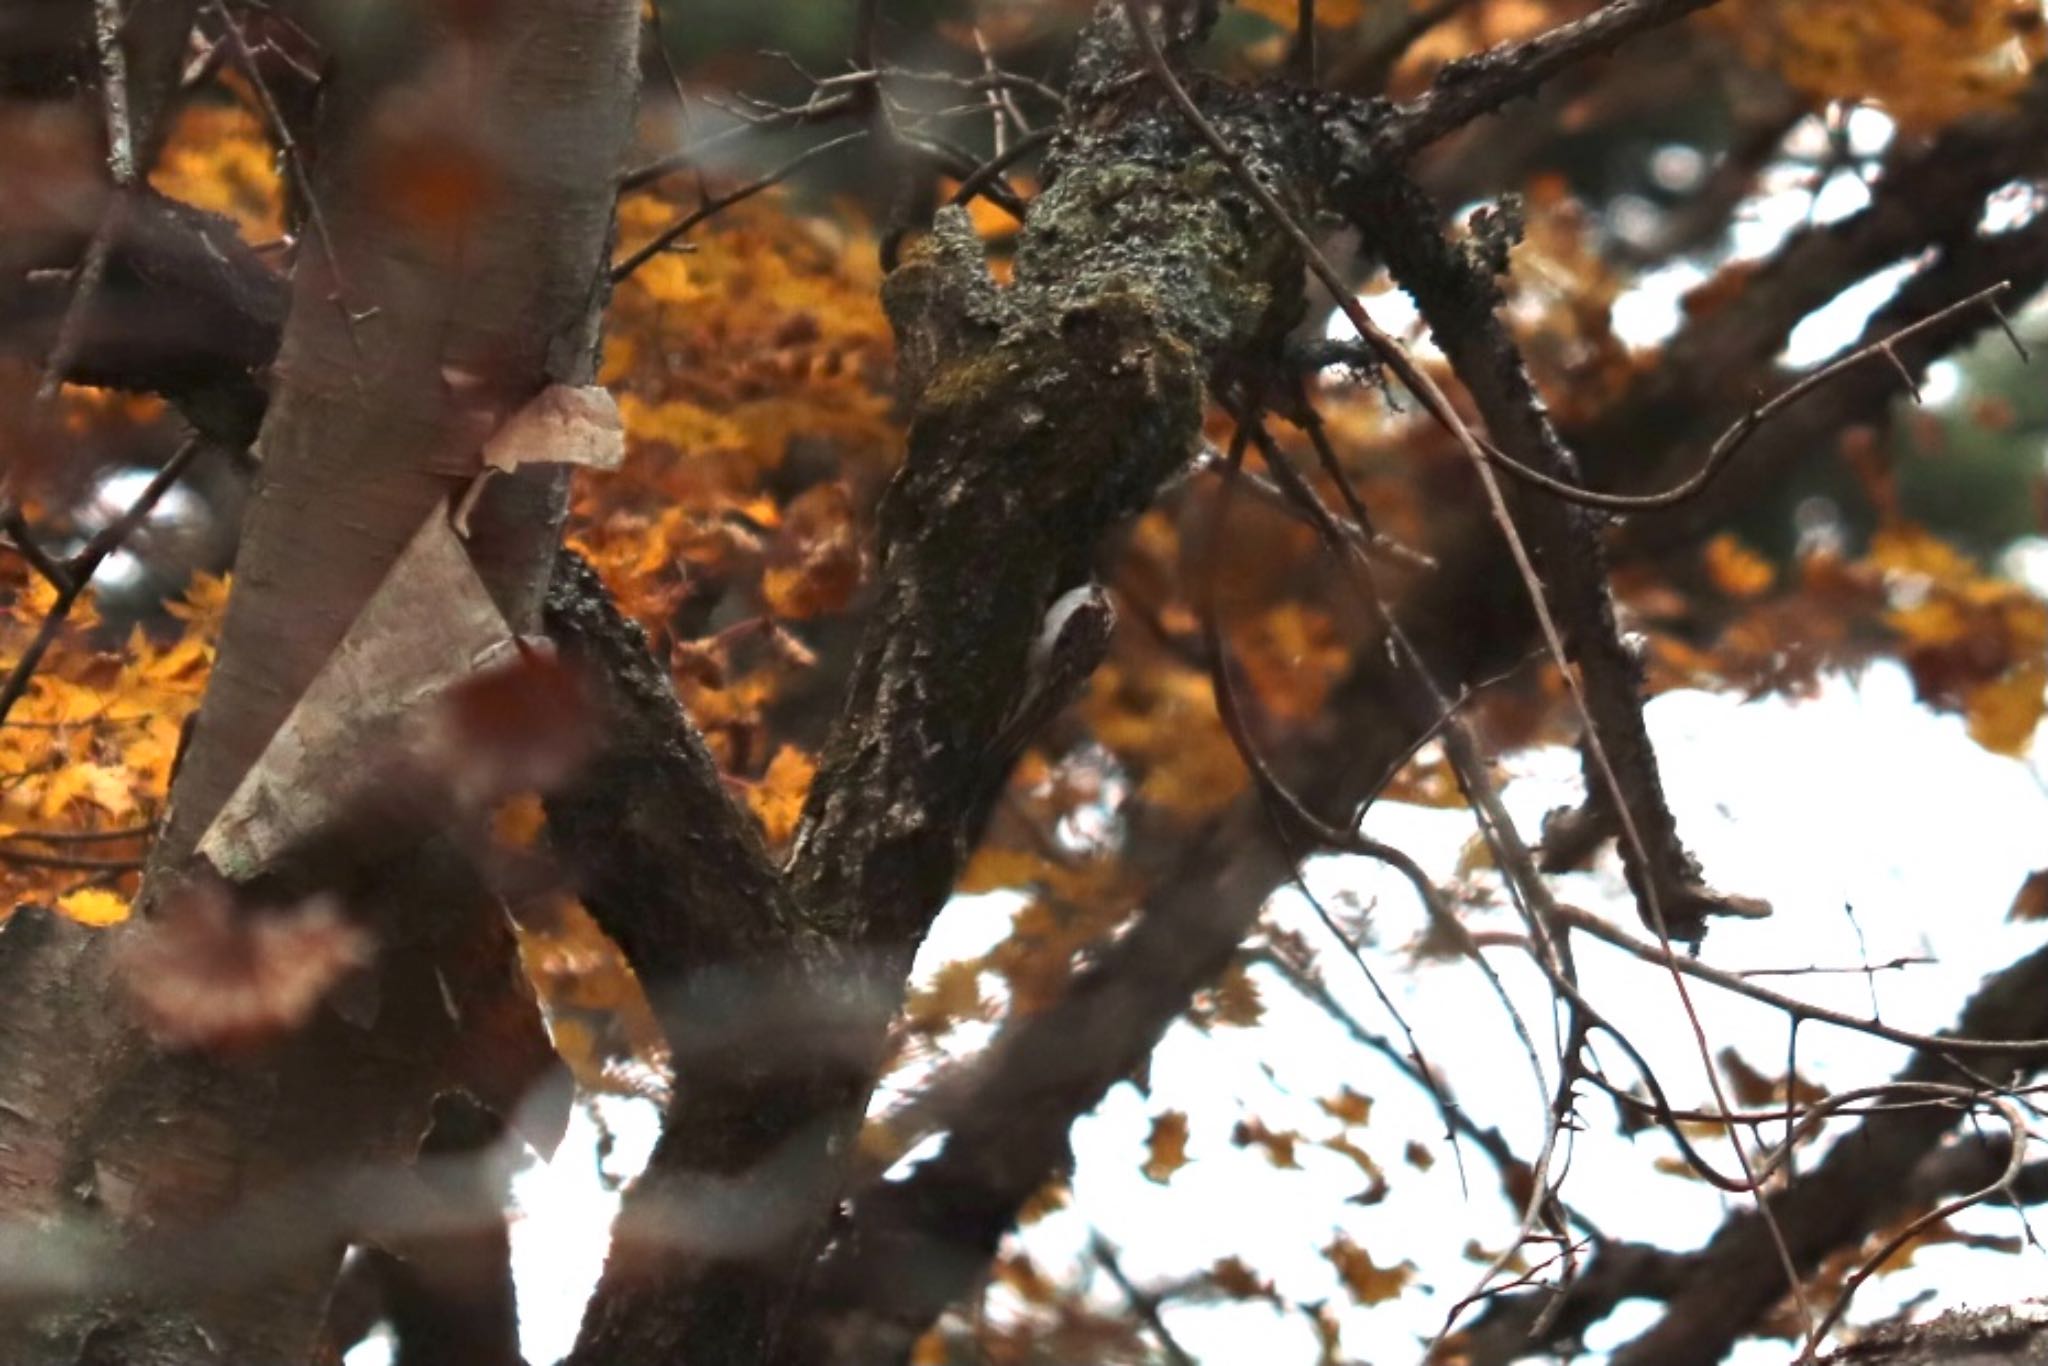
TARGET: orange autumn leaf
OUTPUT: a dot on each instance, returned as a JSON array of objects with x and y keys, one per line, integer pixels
[
  {"x": 1924, "y": 64},
  {"x": 1166, "y": 1149},
  {"x": 1164, "y": 724},
  {"x": 995, "y": 867},
  {"x": 1376, "y": 1180},
  {"x": 1050, "y": 1198},
  {"x": 2004, "y": 714},
  {"x": 1368, "y": 1282},
  {"x": 825, "y": 562},
  {"x": 219, "y": 158},
  {"x": 1292, "y": 657},
  {"x": 1232, "y": 1277},
  {"x": 1277, "y": 1145},
  {"x": 1348, "y": 1107},
  {"x": 1903, "y": 548},
  {"x": 1237, "y": 998},
  {"x": 777, "y": 800},
  {"x": 953, "y": 995},
  {"x": 94, "y": 906},
  {"x": 1737, "y": 570}
]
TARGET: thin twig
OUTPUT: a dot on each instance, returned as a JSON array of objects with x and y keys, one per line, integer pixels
[
  {"x": 81, "y": 567},
  {"x": 1875, "y": 1262},
  {"x": 1732, "y": 440},
  {"x": 23, "y": 539},
  {"x": 1301, "y": 54},
  {"x": 1434, "y": 400},
  {"x": 1145, "y": 1306},
  {"x": 669, "y": 235},
  {"x": 295, "y": 164},
  {"x": 1742, "y": 986},
  {"x": 127, "y": 832}
]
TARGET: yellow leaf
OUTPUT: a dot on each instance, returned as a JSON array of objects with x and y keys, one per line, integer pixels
[
  {"x": 1908, "y": 549},
  {"x": 2005, "y": 713},
  {"x": 104, "y": 787},
  {"x": 219, "y": 158},
  {"x": 94, "y": 906},
  {"x": 777, "y": 800},
  {"x": 1926, "y": 64},
  {"x": 1737, "y": 570}
]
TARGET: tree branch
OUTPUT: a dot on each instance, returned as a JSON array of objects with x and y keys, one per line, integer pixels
[
  {"x": 667, "y": 864},
  {"x": 910, "y": 1247},
  {"x": 1471, "y": 86}
]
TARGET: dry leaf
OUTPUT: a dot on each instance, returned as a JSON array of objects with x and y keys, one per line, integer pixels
[
  {"x": 1167, "y": 1148},
  {"x": 206, "y": 973},
  {"x": 1368, "y": 1282}
]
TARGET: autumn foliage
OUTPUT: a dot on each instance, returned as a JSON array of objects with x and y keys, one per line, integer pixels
[{"x": 753, "y": 365}]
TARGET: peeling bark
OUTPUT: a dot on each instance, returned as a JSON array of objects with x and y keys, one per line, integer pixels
[{"x": 147, "y": 1150}]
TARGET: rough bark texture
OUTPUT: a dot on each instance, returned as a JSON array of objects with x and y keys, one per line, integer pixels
[
  {"x": 909, "y": 1247},
  {"x": 1044, "y": 414},
  {"x": 2017, "y": 1336},
  {"x": 139, "y": 1150},
  {"x": 185, "y": 309}
]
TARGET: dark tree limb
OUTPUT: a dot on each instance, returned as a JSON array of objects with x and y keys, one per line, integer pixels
[
  {"x": 1472, "y": 86},
  {"x": 1457, "y": 290},
  {"x": 909, "y": 1248},
  {"x": 668, "y": 865},
  {"x": 183, "y": 309},
  {"x": 1044, "y": 415}
]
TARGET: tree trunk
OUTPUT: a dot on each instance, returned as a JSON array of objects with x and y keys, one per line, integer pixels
[{"x": 456, "y": 261}]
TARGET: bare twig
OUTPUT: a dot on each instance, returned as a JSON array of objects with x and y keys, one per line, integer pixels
[
  {"x": 1732, "y": 440},
  {"x": 74, "y": 863},
  {"x": 288, "y": 149},
  {"x": 1479, "y": 84},
  {"x": 669, "y": 235},
  {"x": 1740, "y": 984},
  {"x": 79, "y": 569},
  {"x": 1146, "y": 1306}
]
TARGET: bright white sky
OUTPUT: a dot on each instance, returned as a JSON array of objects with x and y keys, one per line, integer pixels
[{"x": 1860, "y": 798}]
